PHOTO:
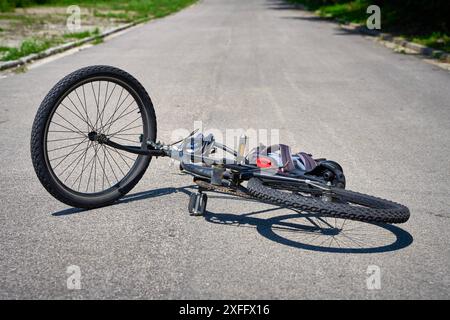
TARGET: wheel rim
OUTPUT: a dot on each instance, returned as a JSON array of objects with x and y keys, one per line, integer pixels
[{"x": 98, "y": 105}]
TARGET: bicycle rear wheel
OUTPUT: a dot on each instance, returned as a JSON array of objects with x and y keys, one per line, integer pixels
[
  {"x": 70, "y": 163},
  {"x": 338, "y": 203}
]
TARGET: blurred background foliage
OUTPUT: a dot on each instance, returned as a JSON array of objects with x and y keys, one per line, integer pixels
[
  {"x": 423, "y": 21},
  {"x": 413, "y": 16}
]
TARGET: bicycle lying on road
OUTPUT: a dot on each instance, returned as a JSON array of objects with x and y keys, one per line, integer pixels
[{"x": 94, "y": 136}]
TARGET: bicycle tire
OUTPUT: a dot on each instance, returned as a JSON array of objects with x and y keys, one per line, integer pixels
[
  {"x": 39, "y": 151},
  {"x": 369, "y": 209}
]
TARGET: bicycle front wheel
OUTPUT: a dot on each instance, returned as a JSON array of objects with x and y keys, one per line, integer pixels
[{"x": 74, "y": 167}]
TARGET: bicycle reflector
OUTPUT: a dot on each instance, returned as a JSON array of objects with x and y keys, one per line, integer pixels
[{"x": 263, "y": 162}]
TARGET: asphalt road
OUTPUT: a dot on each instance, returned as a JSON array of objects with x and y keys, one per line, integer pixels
[{"x": 241, "y": 64}]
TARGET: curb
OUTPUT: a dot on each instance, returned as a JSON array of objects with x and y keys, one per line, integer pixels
[
  {"x": 66, "y": 46},
  {"x": 417, "y": 48}
]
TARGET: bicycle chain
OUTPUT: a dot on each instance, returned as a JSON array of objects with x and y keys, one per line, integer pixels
[{"x": 222, "y": 189}]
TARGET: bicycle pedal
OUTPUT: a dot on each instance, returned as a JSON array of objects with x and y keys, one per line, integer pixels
[{"x": 197, "y": 204}]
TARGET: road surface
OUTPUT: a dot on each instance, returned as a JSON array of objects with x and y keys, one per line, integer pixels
[{"x": 241, "y": 64}]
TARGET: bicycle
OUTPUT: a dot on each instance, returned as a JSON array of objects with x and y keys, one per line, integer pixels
[{"x": 94, "y": 136}]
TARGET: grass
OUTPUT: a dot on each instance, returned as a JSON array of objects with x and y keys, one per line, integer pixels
[
  {"x": 392, "y": 20},
  {"x": 30, "y": 46},
  {"x": 77, "y": 35},
  {"x": 435, "y": 40},
  {"x": 354, "y": 11},
  {"x": 27, "y": 47},
  {"x": 134, "y": 9},
  {"x": 125, "y": 11},
  {"x": 98, "y": 40},
  {"x": 82, "y": 34},
  {"x": 350, "y": 11}
]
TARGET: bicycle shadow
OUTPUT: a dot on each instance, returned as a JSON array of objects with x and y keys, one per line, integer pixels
[
  {"x": 313, "y": 232},
  {"x": 131, "y": 198},
  {"x": 309, "y": 231}
]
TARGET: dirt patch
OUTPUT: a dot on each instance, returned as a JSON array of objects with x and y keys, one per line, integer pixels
[{"x": 50, "y": 23}]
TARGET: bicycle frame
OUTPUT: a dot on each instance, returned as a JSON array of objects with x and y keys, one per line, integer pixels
[{"x": 215, "y": 170}]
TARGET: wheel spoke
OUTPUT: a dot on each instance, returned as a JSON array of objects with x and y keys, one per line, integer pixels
[
  {"x": 84, "y": 165},
  {"x": 120, "y": 116},
  {"x": 59, "y": 157},
  {"x": 68, "y": 130},
  {"x": 96, "y": 103},
  {"x": 106, "y": 102},
  {"x": 118, "y": 106},
  {"x": 122, "y": 158},
  {"x": 79, "y": 112},
  {"x": 74, "y": 126},
  {"x": 104, "y": 171},
  {"x": 114, "y": 160},
  {"x": 73, "y": 138},
  {"x": 80, "y": 156},
  {"x": 124, "y": 127},
  {"x": 89, "y": 125},
  {"x": 85, "y": 104},
  {"x": 92, "y": 167},
  {"x": 124, "y": 139},
  {"x": 71, "y": 152},
  {"x": 112, "y": 169},
  {"x": 118, "y": 151},
  {"x": 76, "y": 115},
  {"x": 67, "y": 146},
  {"x": 128, "y": 134}
]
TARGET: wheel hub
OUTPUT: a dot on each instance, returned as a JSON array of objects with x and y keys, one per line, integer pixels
[{"x": 94, "y": 136}]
